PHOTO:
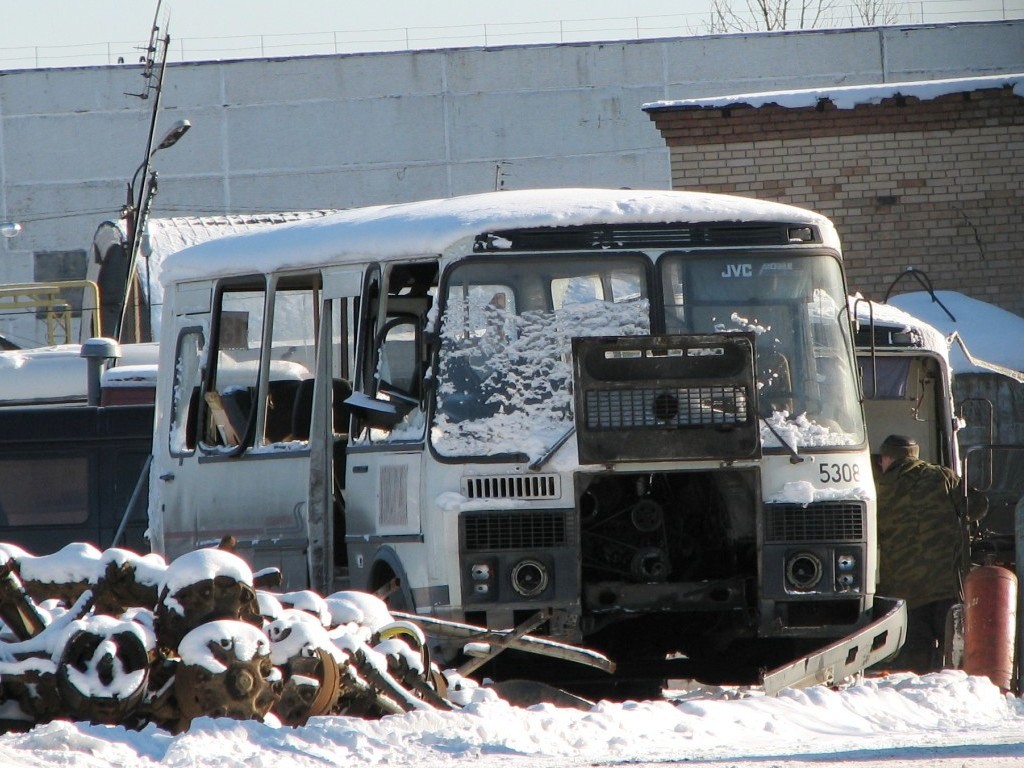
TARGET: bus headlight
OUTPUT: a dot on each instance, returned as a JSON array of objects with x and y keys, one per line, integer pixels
[
  {"x": 846, "y": 571},
  {"x": 482, "y": 584},
  {"x": 803, "y": 571},
  {"x": 480, "y": 572},
  {"x": 529, "y": 577}
]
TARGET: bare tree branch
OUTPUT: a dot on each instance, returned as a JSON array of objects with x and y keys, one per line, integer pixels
[{"x": 768, "y": 15}]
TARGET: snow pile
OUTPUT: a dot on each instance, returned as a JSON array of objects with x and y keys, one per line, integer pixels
[
  {"x": 894, "y": 716},
  {"x": 107, "y": 637},
  {"x": 902, "y": 717},
  {"x": 81, "y": 562}
]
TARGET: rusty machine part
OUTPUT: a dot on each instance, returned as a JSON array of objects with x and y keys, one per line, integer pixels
[
  {"x": 118, "y": 589},
  {"x": 246, "y": 686},
  {"x": 366, "y": 692},
  {"x": 426, "y": 682},
  {"x": 312, "y": 687},
  {"x": 35, "y": 691},
  {"x": 127, "y": 655},
  {"x": 65, "y": 592},
  {"x": 103, "y": 672},
  {"x": 16, "y": 609},
  {"x": 221, "y": 597}
]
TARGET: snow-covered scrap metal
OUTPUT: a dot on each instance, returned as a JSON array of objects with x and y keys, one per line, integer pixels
[{"x": 114, "y": 637}]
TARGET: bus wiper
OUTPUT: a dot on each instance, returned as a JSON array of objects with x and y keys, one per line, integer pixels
[
  {"x": 794, "y": 457},
  {"x": 543, "y": 459}
]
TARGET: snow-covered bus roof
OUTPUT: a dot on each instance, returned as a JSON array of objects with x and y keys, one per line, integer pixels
[
  {"x": 982, "y": 338},
  {"x": 848, "y": 96},
  {"x": 435, "y": 226},
  {"x": 918, "y": 333},
  {"x": 970, "y": 335}
]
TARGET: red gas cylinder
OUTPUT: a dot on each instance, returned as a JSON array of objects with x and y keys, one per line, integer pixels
[{"x": 990, "y": 623}]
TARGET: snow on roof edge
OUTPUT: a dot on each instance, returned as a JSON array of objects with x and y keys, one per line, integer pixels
[{"x": 848, "y": 96}]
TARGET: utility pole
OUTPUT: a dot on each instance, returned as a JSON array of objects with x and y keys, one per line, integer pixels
[{"x": 140, "y": 201}]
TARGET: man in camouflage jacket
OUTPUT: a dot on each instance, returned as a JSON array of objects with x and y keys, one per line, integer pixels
[{"x": 922, "y": 542}]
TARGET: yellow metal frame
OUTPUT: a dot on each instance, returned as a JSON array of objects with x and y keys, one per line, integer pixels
[{"x": 50, "y": 298}]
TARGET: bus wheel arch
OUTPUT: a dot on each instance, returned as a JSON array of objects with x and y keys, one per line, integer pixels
[{"x": 388, "y": 579}]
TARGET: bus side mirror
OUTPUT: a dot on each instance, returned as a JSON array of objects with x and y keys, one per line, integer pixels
[{"x": 380, "y": 414}]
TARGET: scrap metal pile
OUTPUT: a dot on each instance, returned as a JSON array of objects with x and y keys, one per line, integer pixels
[{"x": 114, "y": 637}]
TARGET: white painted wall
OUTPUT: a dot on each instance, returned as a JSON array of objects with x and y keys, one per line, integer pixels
[{"x": 345, "y": 130}]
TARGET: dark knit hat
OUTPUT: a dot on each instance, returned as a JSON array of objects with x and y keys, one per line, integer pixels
[{"x": 900, "y": 447}]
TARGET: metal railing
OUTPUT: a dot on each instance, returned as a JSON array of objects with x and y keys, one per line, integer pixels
[{"x": 476, "y": 35}]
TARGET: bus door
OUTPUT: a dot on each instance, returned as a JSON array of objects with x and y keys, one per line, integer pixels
[
  {"x": 326, "y": 417},
  {"x": 242, "y": 468},
  {"x": 387, "y": 445}
]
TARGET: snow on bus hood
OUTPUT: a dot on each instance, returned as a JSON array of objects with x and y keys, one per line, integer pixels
[{"x": 434, "y": 226}]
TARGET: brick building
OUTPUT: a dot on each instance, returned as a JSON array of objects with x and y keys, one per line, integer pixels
[{"x": 928, "y": 175}]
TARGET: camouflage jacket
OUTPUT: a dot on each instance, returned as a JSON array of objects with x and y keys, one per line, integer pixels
[{"x": 921, "y": 536}]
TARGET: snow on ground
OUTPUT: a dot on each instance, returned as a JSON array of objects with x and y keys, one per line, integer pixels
[{"x": 942, "y": 719}]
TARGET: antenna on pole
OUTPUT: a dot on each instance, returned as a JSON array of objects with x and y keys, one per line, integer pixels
[
  {"x": 140, "y": 202},
  {"x": 150, "y": 58}
]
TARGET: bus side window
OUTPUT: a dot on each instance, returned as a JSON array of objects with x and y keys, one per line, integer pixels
[
  {"x": 185, "y": 393},
  {"x": 232, "y": 380},
  {"x": 343, "y": 346},
  {"x": 396, "y": 355},
  {"x": 292, "y": 349}
]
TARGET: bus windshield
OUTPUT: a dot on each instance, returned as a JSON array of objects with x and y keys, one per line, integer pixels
[
  {"x": 505, "y": 374},
  {"x": 795, "y": 305},
  {"x": 504, "y": 379}
]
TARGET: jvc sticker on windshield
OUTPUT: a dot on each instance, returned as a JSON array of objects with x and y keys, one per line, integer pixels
[{"x": 738, "y": 270}]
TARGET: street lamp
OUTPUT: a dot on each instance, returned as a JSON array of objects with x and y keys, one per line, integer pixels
[
  {"x": 170, "y": 138},
  {"x": 137, "y": 210},
  {"x": 10, "y": 229},
  {"x": 177, "y": 130}
]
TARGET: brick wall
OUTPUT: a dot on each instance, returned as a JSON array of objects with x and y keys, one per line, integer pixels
[{"x": 937, "y": 185}]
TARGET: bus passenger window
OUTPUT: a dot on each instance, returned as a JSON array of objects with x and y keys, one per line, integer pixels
[
  {"x": 292, "y": 348},
  {"x": 579, "y": 289},
  {"x": 185, "y": 393},
  {"x": 232, "y": 387}
]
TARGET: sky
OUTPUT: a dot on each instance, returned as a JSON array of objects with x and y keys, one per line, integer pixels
[{"x": 68, "y": 32}]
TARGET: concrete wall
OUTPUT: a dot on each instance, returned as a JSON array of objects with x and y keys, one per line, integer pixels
[{"x": 338, "y": 131}]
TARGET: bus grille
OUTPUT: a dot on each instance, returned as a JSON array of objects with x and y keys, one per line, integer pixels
[
  {"x": 680, "y": 407},
  {"x": 512, "y": 487},
  {"x": 513, "y": 530},
  {"x": 822, "y": 521}
]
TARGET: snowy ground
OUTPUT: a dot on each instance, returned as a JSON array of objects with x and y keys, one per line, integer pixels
[{"x": 943, "y": 719}]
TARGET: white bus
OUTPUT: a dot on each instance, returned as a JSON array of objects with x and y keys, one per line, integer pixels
[{"x": 637, "y": 411}]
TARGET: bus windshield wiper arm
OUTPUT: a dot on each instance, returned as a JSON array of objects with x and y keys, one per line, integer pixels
[
  {"x": 794, "y": 457},
  {"x": 543, "y": 459}
]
